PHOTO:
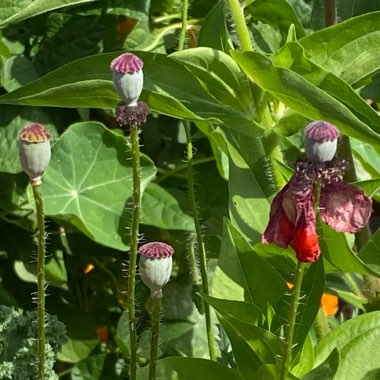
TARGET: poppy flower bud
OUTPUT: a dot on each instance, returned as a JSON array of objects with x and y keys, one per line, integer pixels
[
  {"x": 127, "y": 76},
  {"x": 321, "y": 140},
  {"x": 34, "y": 147},
  {"x": 156, "y": 266}
]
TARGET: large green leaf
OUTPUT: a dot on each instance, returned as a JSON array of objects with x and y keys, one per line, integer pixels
[
  {"x": 326, "y": 370},
  {"x": 346, "y": 333},
  {"x": 338, "y": 255},
  {"x": 35, "y": 8},
  {"x": 189, "y": 369},
  {"x": 370, "y": 252},
  {"x": 89, "y": 182},
  {"x": 349, "y": 49},
  {"x": 87, "y": 83},
  {"x": 291, "y": 56},
  {"x": 301, "y": 95},
  {"x": 242, "y": 275},
  {"x": 221, "y": 76},
  {"x": 276, "y": 13}
]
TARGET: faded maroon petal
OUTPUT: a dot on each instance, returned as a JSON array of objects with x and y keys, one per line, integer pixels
[
  {"x": 305, "y": 241},
  {"x": 280, "y": 229},
  {"x": 344, "y": 207}
]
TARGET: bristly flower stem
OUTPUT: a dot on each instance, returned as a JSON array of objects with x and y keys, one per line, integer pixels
[
  {"x": 40, "y": 280},
  {"x": 156, "y": 308},
  {"x": 289, "y": 333},
  {"x": 136, "y": 200},
  {"x": 182, "y": 37},
  {"x": 237, "y": 13},
  {"x": 201, "y": 247}
]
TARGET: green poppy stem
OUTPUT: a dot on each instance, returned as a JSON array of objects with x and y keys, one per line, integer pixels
[
  {"x": 156, "y": 308},
  {"x": 201, "y": 247},
  {"x": 289, "y": 333},
  {"x": 41, "y": 237},
  {"x": 136, "y": 199}
]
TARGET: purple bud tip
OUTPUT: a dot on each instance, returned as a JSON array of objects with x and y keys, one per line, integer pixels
[
  {"x": 127, "y": 63},
  {"x": 156, "y": 250},
  {"x": 34, "y": 133},
  {"x": 321, "y": 131}
]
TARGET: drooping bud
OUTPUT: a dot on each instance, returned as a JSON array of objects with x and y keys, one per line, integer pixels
[
  {"x": 34, "y": 147},
  {"x": 155, "y": 266},
  {"x": 321, "y": 140},
  {"x": 127, "y": 76}
]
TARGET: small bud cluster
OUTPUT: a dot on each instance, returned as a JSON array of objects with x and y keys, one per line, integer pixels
[{"x": 127, "y": 76}]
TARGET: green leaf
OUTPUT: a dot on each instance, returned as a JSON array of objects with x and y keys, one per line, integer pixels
[
  {"x": 160, "y": 209},
  {"x": 88, "y": 182},
  {"x": 370, "y": 252},
  {"x": 312, "y": 288},
  {"x": 342, "y": 337},
  {"x": 276, "y": 13},
  {"x": 301, "y": 95},
  {"x": 35, "y": 8},
  {"x": 122, "y": 336},
  {"x": 189, "y": 369},
  {"x": 89, "y": 369},
  {"x": 326, "y": 370},
  {"x": 242, "y": 275},
  {"x": 370, "y": 187},
  {"x": 291, "y": 56},
  {"x": 220, "y": 75},
  {"x": 338, "y": 255},
  {"x": 214, "y": 32},
  {"x": 348, "y": 49}
]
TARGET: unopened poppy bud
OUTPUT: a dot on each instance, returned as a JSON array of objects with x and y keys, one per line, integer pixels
[
  {"x": 34, "y": 147},
  {"x": 321, "y": 140},
  {"x": 127, "y": 76},
  {"x": 155, "y": 266}
]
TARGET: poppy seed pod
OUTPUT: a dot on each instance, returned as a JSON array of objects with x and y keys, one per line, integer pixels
[
  {"x": 321, "y": 140},
  {"x": 34, "y": 147},
  {"x": 127, "y": 76},
  {"x": 155, "y": 266}
]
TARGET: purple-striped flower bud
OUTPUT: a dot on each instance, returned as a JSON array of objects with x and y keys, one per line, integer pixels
[
  {"x": 321, "y": 140},
  {"x": 127, "y": 76},
  {"x": 155, "y": 266},
  {"x": 34, "y": 147}
]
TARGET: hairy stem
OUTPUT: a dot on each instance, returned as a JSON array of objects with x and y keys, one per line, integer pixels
[
  {"x": 201, "y": 248},
  {"x": 237, "y": 13},
  {"x": 136, "y": 199},
  {"x": 289, "y": 333},
  {"x": 156, "y": 308},
  {"x": 40, "y": 280},
  {"x": 182, "y": 37}
]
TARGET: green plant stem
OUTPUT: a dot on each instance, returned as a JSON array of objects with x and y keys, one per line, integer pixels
[
  {"x": 237, "y": 13},
  {"x": 201, "y": 248},
  {"x": 40, "y": 280},
  {"x": 156, "y": 308},
  {"x": 182, "y": 37},
  {"x": 330, "y": 12},
  {"x": 294, "y": 302},
  {"x": 136, "y": 207},
  {"x": 322, "y": 327}
]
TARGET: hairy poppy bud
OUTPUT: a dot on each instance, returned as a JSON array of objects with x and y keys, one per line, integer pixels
[
  {"x": 156, "y": 266},
  {"x": 321, "y": 140},
  {"x": 127, "y": 76},
  {"x": 34, "y": 147}
]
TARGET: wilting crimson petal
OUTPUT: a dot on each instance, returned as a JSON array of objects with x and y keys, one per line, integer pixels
[
  {"x": 305, "y": 241},
  {"x": 280, "y": 229},
  {"x": 344, "y": 208}
]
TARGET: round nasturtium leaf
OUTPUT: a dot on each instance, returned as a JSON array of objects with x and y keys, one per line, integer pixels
[{"x": 88, "y": 183}]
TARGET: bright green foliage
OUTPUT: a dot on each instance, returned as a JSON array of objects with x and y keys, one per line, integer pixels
[{"x": 18, "y": 344}]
